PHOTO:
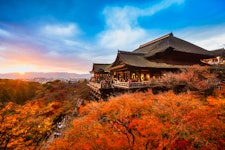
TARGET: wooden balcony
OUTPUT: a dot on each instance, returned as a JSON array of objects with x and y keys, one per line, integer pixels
[
  {"x": 122, "y": 85},
  {"x": 94, "y": 84},
  {"x": 132, "y": 85},
  {"x": 102, "y": 85}
]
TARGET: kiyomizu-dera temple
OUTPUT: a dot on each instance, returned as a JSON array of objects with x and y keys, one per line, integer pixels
[{"x": 136, "y": 69}]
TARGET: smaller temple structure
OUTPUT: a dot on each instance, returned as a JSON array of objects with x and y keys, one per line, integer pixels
[
  {"x": 100, "y": 83},
  {"x": 99, "y": 72},
  {"x": 137, "y": 69}
]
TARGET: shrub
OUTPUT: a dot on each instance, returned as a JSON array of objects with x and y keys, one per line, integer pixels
[{"x": 196, "y": 78}]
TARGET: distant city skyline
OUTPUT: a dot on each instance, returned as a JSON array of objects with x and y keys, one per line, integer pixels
[{"x": 69, "y": 35}]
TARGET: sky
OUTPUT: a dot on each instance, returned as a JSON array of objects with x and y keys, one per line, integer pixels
[{"x": 71, "y": 35}]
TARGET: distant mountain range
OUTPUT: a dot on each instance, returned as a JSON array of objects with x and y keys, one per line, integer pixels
[{"x": 52, "y": 75}]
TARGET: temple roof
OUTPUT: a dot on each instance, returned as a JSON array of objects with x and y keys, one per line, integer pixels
[
  {"x": 219, "y": 52},
  {"x": 138, "y": 60},
  {"x": 163, "y": 43},
  {"x": 144, "y": 55},
  {"x": 99, "y": 67}
]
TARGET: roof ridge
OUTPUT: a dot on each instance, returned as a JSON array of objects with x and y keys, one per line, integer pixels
[
  {"x": 156, "y": 40},
  {"x": 131, "y": 53},
  {"x": 191, "y": 44},
  {"x": 217, "y": 49},
  {"x": 101, "y": 64}
]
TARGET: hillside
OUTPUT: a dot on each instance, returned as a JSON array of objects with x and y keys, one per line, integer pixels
[
  {"x": 17, "y": 91},
  {"x": 148, "y": 121},
  {"x": 185, "y": 111},
  {"x": 28, "y": 124}
]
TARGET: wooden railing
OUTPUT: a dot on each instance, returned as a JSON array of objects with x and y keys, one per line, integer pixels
[
  {"x": 95, "y": 84},
  {"x": 124, "y": 85},
  {"x": 132, "y": 85},
  {"x": 102, "y": 85}
]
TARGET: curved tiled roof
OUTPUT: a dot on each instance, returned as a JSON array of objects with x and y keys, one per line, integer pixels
[
  {"x": 99, "y": 67},
  {"x": 163, "y": 43},
  {"x": 138, "y": 60},
  {"x": 144, "y": 55},
  {"x": 220, "y": 52}
]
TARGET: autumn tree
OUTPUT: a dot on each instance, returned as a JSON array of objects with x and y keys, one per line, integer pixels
[
  {"x": 196, "y": 78},
  {"x": 17, "y": 91},
  {"x": 148, "y": 121},
  {"x": 28, "y": 125}
]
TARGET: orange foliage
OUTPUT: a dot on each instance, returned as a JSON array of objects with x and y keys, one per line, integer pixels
[
  {"x": 148, "y": 121},
  {"x": 27, "y": 126}
]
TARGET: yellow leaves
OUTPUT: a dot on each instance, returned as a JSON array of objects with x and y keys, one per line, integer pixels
[
  {"x": 27, "y": 125},
  {"x": 20, "y": 122}
]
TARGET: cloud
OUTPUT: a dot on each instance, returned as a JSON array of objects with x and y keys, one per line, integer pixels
[
  {"x": 125, "y": 17},
  {"x": 13, "y": 56},
  {"x": 58, "y": 40},
  {"x": 5, "y": 33},
  {"x": 67, "y": 30},
  {"x": 164, "y": 4},
  {"x": 120, "y": 17},
  {"x": 213, "y": 42},
  {"x": 208, "y": 37},
  {"x": 122, "y": 28},
  {"x": 48, "y": 48},
  {"x": 2, "y": 48},
  {"x": 125, "y": 39},
  {"x": 71, "y": 42},
  {"x": 59, "y": 37},
  {"x": 60, "y": 47}
]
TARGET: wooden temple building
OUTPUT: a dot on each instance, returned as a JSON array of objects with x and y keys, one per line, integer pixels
[{"x": 135, "y": 70}]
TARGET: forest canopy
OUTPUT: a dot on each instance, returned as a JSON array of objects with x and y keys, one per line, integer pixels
[
  {"x": 189, "y": 114},
  {"x": 148, "y": 121},
  {"x": 17, "y": 91},
  {"x": 27, "y": 122}
]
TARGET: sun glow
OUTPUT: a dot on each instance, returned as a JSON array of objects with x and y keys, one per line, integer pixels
[
  {"x": 24, "y": 68},
  {"x": 21, "y": 73},
  {"x": 21, "y": 69}
]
